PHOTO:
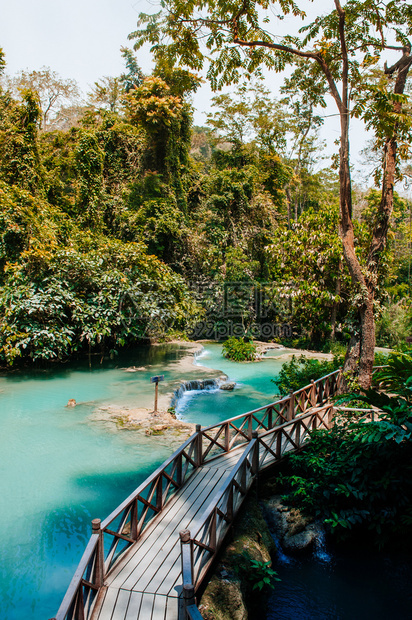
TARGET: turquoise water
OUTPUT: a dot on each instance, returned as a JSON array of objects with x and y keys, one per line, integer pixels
[
  {"x": 62, "y": 467},
  {"x": 254, "y": 387}
]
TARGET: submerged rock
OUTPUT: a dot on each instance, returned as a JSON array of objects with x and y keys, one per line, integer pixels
[
  {"x": 144, "y": 421},
  {"x": 229, "y": 386}
]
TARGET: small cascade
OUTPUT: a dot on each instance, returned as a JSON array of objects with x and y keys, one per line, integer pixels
[
  {"x": 194, "y": 385},
  {"x": 198, "y": 355},
  {"x": 281, "y": 556},
  {"x": 320, "y": 551}
]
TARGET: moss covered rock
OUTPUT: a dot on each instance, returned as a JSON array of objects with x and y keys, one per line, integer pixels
[{"x": 229, "y": 594}]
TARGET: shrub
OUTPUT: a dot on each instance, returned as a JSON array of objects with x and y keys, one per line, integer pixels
[
  {"x": 239, "y": 350},
  {"x": 299, "y": 371}
]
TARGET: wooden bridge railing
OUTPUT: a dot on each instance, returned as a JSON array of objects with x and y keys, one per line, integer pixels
[
  {"x": 234, "y": 432},
  {"x": 112, "y": 537},
  {"x": 199, "y": 550}
]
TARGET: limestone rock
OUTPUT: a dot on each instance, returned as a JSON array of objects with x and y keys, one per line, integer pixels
[
  {"x": 229, "y": 386},
  {"x": 295, "y": 532}
]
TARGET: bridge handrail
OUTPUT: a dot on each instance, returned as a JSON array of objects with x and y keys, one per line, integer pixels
[
  {"x": 276, "y": 402},
  {"x": 151, "y": 478},
  {"x": 130, "y": 527},
  {"x": 211, "y": 527},
  {"x": 161, "y": 482},
  {"x": 224, "y": 436}
]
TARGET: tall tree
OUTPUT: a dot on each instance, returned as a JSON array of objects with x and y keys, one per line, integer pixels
[
  {"x": 54, "y": 92},
  {"x": 335, "y": 47},
  {"x": 133, "y": 76},
  {"x": 106, "y": 93}
]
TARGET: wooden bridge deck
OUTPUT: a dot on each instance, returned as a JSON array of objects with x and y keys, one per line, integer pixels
[
  {"x": 148, "y": 558},
  {"x": 147, "y": 582}
]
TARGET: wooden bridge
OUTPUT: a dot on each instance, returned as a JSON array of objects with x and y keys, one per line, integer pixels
[{"x": 148, "y": 558}]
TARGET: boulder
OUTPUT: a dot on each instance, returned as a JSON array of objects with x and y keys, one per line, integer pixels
[
  {"x": 296, "y": 533},
  {"x": 229, "y": 386}
]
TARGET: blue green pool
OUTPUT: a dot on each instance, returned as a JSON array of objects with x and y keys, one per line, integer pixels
[{"x": 62, "y": 467}]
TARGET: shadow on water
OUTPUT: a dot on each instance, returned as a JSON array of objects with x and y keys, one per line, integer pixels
[
  {"x": 144, "y": 355},
  {"x": 343, "y": 585}
]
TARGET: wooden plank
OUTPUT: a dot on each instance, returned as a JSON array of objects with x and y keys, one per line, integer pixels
[
  {"x": 170, "y": 568},
  {"x": 168, "y": 542},
  {"x": 226, "y": 461},
  {"x": 108, "y": 604},
  {"x": 122, "y": 604},
  {"x": 172, "y": 608},
  {"x": 146, "y": 607},
  {"x": 150, "y": 530},
  {"x": 133, "y": 610},
  {"x": 153, "y": 537},
  {"x": 165, "y": 578},
  {"x": 159, "y": 608},
  {"x": 166, "y": 559}
]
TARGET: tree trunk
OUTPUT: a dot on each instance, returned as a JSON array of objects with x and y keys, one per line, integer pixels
[
  {"x": 360, "y": 354},
  {"x": 335, "y": 306}
]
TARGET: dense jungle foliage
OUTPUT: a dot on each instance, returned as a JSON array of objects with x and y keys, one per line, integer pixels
[
  {"x": 120, "y": 221},
  {"x": 356, "y": 477}
]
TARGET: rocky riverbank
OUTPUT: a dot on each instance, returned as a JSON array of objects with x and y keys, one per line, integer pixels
[
  {"x": 230, "y": 594},
  {"x": 261, "y": 529}
]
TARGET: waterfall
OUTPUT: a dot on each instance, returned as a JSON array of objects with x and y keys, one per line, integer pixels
[
  {"x": 194, "y": 385},
  {"x": 320, "y": 551}
]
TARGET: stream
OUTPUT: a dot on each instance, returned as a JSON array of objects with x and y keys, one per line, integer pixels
[{"x": 63, "y": 466}]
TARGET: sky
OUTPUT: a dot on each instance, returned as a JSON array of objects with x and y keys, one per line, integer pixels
[{"x": 81, "y": 39}]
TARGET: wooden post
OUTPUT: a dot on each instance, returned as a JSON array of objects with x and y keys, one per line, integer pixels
[
  {"x": 255, "y": 456},
  {"x": 331, "y": 413},
  {"x": 187, "y": 557},
  {"x": 291, "y": 407},
  {"x": 270, "y": 418},
  {"x": 279, "y": 444},
  {"x": 156, "y": 396},
  {"x": 159, "y": 493},
  {"x": 212, "y": 541},
  {"x": 313, "y": 393},
  {"x": 227, "y": 437},
  {"x": 134, "y": 520},
  {"x": 243, "y": 478},
  {"x": 156, "y": 380},
  {"x": 79, "y": 605},
  {"x": 198, "y": 446},
  {"x": 179, "y": 470},
  {"x": 189, "y": 594},
  {"x": 297, "y": 433},
  {"x": 319, "y": 400},
  {"x": 249, "y": 427},
  {"x": 229, "y": 505},
  {"x": 99, "y": 566}
]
